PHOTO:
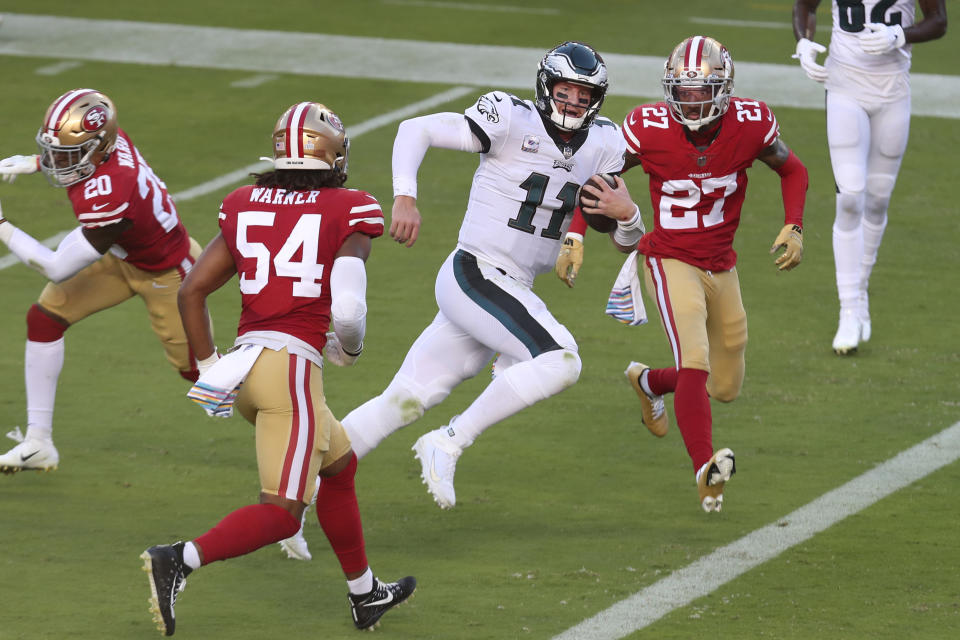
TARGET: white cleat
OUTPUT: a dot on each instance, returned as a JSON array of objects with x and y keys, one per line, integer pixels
[
  {"x": 438, "y": 462},
  {"x": 32, "y": 454},
  {"x": 296, "y": 545},
  {"x": 864, "y": 314},
  {"x": 848, "y": 333}
]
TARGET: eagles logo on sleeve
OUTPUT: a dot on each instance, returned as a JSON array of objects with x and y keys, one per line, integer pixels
[{"x": 487, "y": 107}]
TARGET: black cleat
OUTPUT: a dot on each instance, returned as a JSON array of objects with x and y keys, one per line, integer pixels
[
  {"x": 368, "y": 608},
  {"x": 168, "y": 576}
]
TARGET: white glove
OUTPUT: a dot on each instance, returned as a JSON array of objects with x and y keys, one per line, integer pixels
[
  {"x": 13, "y": 166},
  {"x": 881, "y": 38},
  {"x": 335, "y": 353},
  {"x": 807, "y": 51}
]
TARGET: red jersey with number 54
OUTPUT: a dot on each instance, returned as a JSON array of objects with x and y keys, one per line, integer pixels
[
  {"x": 284, "y": 243},
  {"x": 125, "y": 187},
  {"x": 697, "y": 195}
]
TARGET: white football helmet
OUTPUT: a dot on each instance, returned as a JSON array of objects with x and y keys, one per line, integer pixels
[
  {"x": 698, "y": 62},
  {"x": 79, "y": 132},
  {"x": 310, "y": 136},
  {"x": 571, "y": 62}
]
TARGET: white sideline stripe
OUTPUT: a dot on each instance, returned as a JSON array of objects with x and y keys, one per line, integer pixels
[
  {"x": 498, "y": 8},
  {"x": 513, "y": 68},
  {"x": 751, "y": 24},
  {"x": 710, "y": 572},
  {"x": 58, "y": 68},
  {"x": 241, "y": 174},
  {"x": 253, "y": 81}
]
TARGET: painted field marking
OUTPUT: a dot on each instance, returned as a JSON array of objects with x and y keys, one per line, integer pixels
[
  {"x": 232, "y": 177},
  {"x": 712, "y": 571},
  {"x": 58, "y": 68},
  {"x": 513, "y": 68},
  {"x": 750, "y": 24},
  {"x": 495, "y": 8},
  {"x": 253, "y": 81}
]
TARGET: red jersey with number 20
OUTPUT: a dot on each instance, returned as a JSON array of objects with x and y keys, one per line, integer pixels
[
  {"x": 125, "y": 187},
  {"x": 284, "y": 243},
  {"x": 697, "y": 195}
]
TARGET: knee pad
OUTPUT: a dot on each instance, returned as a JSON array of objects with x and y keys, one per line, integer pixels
[
  {"x": 879, "y": 190},
  {"x": 850, "y": 206},
  {"x": 546, "y": 375},
  {"x": 42, "y": 328}
]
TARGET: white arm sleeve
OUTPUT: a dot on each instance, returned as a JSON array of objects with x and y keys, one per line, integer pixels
[
  {"x": 445, "y": 130},
  {"x": 348, "y": 308},
  {"x": 73, "y": 254}
]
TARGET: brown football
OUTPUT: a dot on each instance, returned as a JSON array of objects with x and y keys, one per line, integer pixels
[{"x": 596, "y": 222}]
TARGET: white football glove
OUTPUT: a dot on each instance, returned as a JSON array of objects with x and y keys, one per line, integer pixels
[
  {"x": 881, "y": 38},
  {"x": 13, "y": 166},
  {"x": 335, "y": 353},
  {"x": 807, "y": 51}
]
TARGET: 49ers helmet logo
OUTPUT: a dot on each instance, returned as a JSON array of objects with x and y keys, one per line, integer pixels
[
  {"x": 334, "y": 120},
  {"x": 95, "y": 118}
]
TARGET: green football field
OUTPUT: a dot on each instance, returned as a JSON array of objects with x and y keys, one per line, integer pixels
[{"x": 566, "y": 509}]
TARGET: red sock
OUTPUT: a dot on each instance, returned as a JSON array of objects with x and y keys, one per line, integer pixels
[
  {"x": 339, "y": 516},
  {"x": 43, "y": 328},
  {"x": 662, "y": 381},
  {"x": 245, "y": 530},
  {"x": 692, "y": 408}
]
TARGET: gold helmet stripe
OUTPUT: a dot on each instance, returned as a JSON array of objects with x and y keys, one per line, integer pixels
[{"x": 63, "y": 105}]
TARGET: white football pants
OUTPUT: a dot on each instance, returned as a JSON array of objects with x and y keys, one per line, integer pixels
[
  {"x": 867, "y": 142},
  {"x": 483, "y": 312}
]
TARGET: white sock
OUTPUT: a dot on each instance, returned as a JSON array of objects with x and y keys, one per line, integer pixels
[
  {"x": 42, "y": 364},
  {"x": 377, "y": 418},
  {"x": 361, "y": 585},
  {"x": 872, "y": 237},
  {"x": 644, "y": 384},
  {"x": 191, "y": 557},
  {"x": 519, "y": 386},
  {"x": 847, "y": 256}
]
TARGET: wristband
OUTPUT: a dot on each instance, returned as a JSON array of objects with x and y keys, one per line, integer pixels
[
  {"x": 634, "y": 223},
  {"x": 628, "y": 234}
]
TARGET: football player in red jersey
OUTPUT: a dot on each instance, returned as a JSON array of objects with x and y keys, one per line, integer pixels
[
  {"x": 130, "y": 242},
  {"x": 298, "y": 242},
  {"x": 696, "y": 147}
]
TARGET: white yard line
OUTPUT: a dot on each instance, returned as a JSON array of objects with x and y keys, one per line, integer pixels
[
  {"x": 447, "y": 63},
  {"x": 713, "y": 571},
  {"x": 750, "y": 24},
  {"x": 228, "y": 179},
  {"x": 463, "y": 6}
]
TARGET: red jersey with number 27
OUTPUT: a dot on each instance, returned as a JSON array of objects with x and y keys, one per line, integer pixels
[
  {"x": 697, "y": 195},
  {"x": 125, "y": 187},
  {"x": 284, "y": 243}
]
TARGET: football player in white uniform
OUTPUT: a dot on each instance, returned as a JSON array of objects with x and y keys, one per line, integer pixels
[
  {"x": 867, "y": 78},
  {"x": 534, "y": 155}
]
